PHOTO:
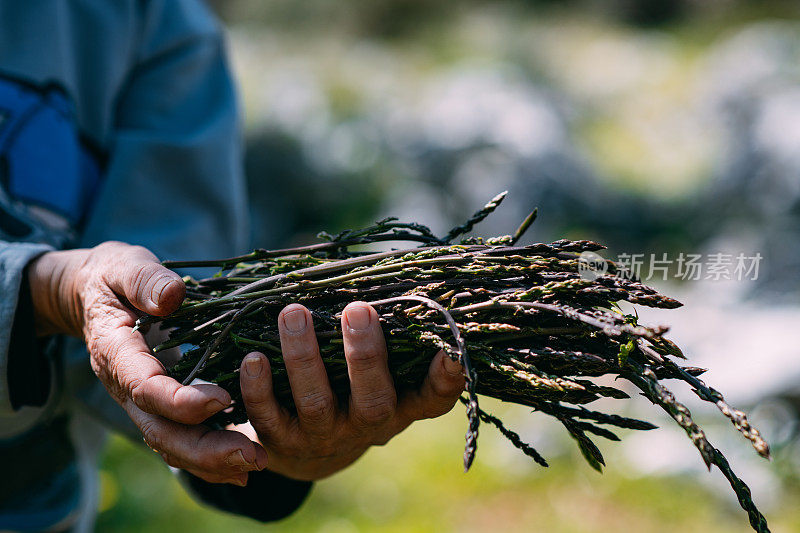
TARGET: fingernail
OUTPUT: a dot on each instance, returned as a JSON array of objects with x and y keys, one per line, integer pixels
[
  {"x": 253, "y": 366},
  {"x": 237, "y": 459},
  {"x": 452, "y": 367},
  {"x": 358, "y": 318},
  {"x": 213, "y": 405},
  {"x": 158, "y": 288},
  {"x": 295, "y": 321}
]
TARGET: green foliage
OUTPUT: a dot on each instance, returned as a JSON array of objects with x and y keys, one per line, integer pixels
[{"x": 414, "y": 485}]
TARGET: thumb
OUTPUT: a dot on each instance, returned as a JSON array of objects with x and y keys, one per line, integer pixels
[
  {"x": 438, "y": 393},
  {"x": 146, "y": 284}
]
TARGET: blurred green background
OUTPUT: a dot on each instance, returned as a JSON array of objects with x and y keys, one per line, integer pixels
[
  {"x": 650, "y": 125},
  {"x": 415, "y": 484}
]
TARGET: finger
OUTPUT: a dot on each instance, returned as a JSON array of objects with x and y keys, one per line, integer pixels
[
  {"x": 372, "y": 396},
  {"x": 248, "y": 431},
  {"x": 307, "y": 377},
  {"x": 223, "y": 453},
  {"x": 214, "y": 477},
  {"x": 146, "y": 284},
  {"x": 239, "y": 480},
  {"x": 439, "y": 392},
  {"x": 122, "y": 360},
  {"x": 265, "y": 414}
]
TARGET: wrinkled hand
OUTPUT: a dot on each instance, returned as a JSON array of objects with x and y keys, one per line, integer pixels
[
  {"x": 97, "y": 294},
  {"x": 322, "y": 438}
]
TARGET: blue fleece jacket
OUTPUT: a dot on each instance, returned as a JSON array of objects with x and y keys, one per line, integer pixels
[{"x": 118, "y": 121}]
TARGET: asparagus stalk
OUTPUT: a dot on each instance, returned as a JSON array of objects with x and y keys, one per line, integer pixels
[{"x": 525, "y": 325}]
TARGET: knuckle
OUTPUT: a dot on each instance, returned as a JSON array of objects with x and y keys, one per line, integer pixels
[
  {"x": 135, "y": 252},
  {"x": 95, "y": 311},
  {"x": 141, "y": 394},
  {"x": 135, "y": 249},
  {"x": 316, "y": 406},
  {"x": 101, "y": 371},
  {"x": 128, "y": 386},
  {"x": 109, "y": 246},
  {"x": 102, "y": 343},
  {"x": 304, "y": 357},
  {"x": 376, "y": 409},
  {"x": 117, "y": 372},
  {"x": 151, "y": 435},
  {"x": 363, "y": 357},
  {"x": 171, "y": 460},
  {"x": 95, "y": 341},
  {"x": 261, "y": 409},
  {"x": 260, "y": 412},
  {"x": 138, "y": 394},
  {"x": 110, "y": 382},
  {"x": 264, "y": 422},
  {"x": 257, "y": 403}
]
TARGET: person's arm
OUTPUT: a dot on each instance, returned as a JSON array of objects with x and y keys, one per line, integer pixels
[{"x": 174, "y": 184}]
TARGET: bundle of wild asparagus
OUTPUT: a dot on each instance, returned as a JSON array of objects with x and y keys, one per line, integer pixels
[{"x": 527, "y": 327}]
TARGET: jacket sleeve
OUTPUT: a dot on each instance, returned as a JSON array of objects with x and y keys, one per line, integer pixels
[
  {"x": 14, "y": 257},
  {"x": 174, "y": 181},
  {"x": 267, "y": 497},
  {"x": 175, "y": 185}
]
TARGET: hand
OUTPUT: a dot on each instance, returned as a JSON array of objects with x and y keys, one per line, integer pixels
[
  {"x": 322, "y": 438},
  {"x": 97, "y": 294}
]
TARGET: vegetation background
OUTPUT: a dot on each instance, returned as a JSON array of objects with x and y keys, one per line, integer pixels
[{"x": 657, "y": 125}]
